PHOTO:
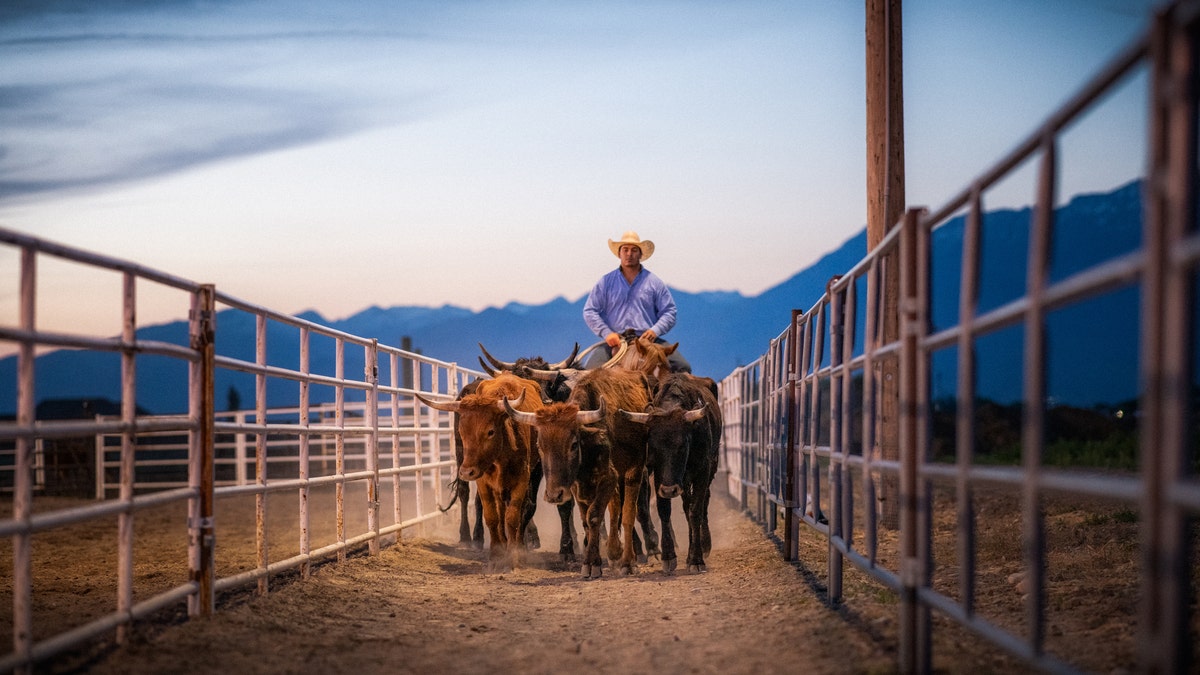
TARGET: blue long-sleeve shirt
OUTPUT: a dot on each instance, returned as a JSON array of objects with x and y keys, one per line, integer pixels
[{"x": 615, "y": 305}]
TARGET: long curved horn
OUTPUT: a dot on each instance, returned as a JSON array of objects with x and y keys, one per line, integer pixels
[
  {"x": 591, "y": 416},
  {"x": 518, "y": 415},
  {"x": 495, "y": 361},
  {"x": 444, "y": 406},
  {"x": 567, "y": 361},
  {"x": 543, "y": 375},
  {"x": 516, "y": 402},
  {"x": 693, "y": 415},
  {"x": 639, "y": 417},
  {"x": 618, "y": 356},
  {"x": 487, "y": 369}
]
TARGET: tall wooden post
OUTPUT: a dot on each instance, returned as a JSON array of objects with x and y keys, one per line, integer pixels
[{"x": 885, "y": 206}]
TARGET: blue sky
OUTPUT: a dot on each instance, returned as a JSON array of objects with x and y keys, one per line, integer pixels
[{"x": 334, "y": 156}]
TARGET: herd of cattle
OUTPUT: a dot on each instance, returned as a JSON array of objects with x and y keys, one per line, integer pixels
[{"x": 603, "y": 439}]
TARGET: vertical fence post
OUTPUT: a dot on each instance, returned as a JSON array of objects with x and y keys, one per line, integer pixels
[
  {"x": 913, "y": 657},
  {"x": 1167, "y": 340},
  {"x": 260, "y": 452},
  {"x": 202, "y": 534},
  {"x": 372, "y": 444},
  {"x": 22, "y": 480},
  {"x": 790, "y": 546},
  {"x": 304, "y": 470},
  {"x": 128, "y": 451}
]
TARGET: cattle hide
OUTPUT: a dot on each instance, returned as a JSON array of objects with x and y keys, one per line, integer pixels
[{"x": 684, "y": 434}]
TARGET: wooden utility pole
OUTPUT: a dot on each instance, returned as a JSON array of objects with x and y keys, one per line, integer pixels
[{"x": 885, "y": 206}]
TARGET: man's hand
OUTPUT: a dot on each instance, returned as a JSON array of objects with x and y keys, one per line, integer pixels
[
  {"x": 650, "y": 335},
  {"x": 612, "y": 340}
]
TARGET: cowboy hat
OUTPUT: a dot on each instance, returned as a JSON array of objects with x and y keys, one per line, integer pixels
[{"x": 631, "y": 237}]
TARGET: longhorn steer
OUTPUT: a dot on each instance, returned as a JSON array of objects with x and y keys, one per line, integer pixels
[
  {"x": 553, "y": 389},
  {"x": 497, "y": 454},
  {"x": 577, "y": 462},
  {"x": 597, "y": 464},
  {"x": 684, "y": 426},
  {"x": 462, "y": 489}
]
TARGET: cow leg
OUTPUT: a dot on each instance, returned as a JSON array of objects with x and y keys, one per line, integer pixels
[
  {"x": 614, "y": 524},
  {"x": 592, "y": 515},
  {"x": 705, "y": 533},
  {"x": 462, "y": 492},
  {"x": 532, "y": 540},
  {"x": 514, "y": 521},
  {"x": 492, "y": 517},
  {"x": 477, "y": 533},
  {"x": 669, "y": 558},
  {"x": 566, "y": 543},
  {"x": 629, "y": 514},
  {"x": 692, "y": 503},
  {"x": 645, "y": 521}
]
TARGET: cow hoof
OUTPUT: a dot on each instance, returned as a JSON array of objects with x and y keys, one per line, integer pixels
[
  {"x": 670, "y": 565},
  {"x": 697, "y": 569},
  {"x": 642, "y": 559},
  {"x": 590, "y": 572}
]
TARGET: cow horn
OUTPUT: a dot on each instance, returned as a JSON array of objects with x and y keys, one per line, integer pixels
[
  {"x": 543, "y": 375},
  {"x": 567, "y": 361},
  {"x": 518, "y": 415},
  {"x": 444, "y": 406},
  {"x": 495, "y": 361},
  {"x": 618, "y": 356},
  {"x": 516, "y": 402},
  {"x": 639, "y": 417},
  {"x": 591, "y": 416},
  {"x": 486, "y": 368},
  {"x": 693, "y": 415}
]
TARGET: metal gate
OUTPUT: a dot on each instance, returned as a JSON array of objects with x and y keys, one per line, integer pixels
[{"x": 804, "y": 421}]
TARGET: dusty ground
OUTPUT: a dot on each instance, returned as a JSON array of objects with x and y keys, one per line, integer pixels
[{"x": 429, "y": 605}]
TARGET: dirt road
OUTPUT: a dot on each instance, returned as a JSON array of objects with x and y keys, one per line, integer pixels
[{"x": 429, "y": 606}]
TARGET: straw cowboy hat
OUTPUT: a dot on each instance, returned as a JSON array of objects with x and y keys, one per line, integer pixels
[{"x": 631, "y": 237}]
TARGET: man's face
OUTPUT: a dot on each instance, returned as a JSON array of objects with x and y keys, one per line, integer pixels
[{"x": 631, "y": 255}]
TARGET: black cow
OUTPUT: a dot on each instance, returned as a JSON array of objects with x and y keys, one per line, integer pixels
[{"x": 684, "y": 423}]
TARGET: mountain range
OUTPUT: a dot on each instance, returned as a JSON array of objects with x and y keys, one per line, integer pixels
[{"x": 717, "y": 331}]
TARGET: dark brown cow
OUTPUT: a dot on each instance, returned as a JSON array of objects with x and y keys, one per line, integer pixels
[
  {"x": 684, "y": 423},
  {"x": 572, "y": 455},
  {"x": 577, "y": 463},
  {"x": 497, "y": 454}
]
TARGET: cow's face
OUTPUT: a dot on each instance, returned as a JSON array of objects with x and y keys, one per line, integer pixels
[
  {"x": 667, "y": 448},
  {"x": 559, "y": 446},
  {"x": 483, "y": 430}
]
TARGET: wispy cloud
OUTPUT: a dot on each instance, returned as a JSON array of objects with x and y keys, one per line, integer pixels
[{"x": 91, "y": 107}]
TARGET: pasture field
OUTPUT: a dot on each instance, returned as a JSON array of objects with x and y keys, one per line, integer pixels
[{"x": 427, "y": 604}]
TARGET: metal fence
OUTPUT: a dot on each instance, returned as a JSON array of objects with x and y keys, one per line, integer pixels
[
  {"x": 804, "y": 421},
  {"x": 372, "y": 439}
]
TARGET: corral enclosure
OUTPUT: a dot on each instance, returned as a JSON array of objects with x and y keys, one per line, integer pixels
[{"x": 870, "y": 456}]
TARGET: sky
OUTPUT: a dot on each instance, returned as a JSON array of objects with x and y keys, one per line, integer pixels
[{"x": 336, "y": 156}]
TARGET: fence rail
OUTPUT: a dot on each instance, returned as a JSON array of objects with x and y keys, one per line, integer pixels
[
  {"x": 804, "y": 421},
  {"x": 373, "y": 437}
]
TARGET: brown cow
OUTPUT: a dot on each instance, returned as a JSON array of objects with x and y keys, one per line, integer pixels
[
  {"x": 553, "y": 389},
  {"x": 497, "y": 454},
  {"x": 573, "y": 456}
]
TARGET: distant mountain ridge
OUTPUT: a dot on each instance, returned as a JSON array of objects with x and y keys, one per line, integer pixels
[{"x": 717, "y": 331}]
